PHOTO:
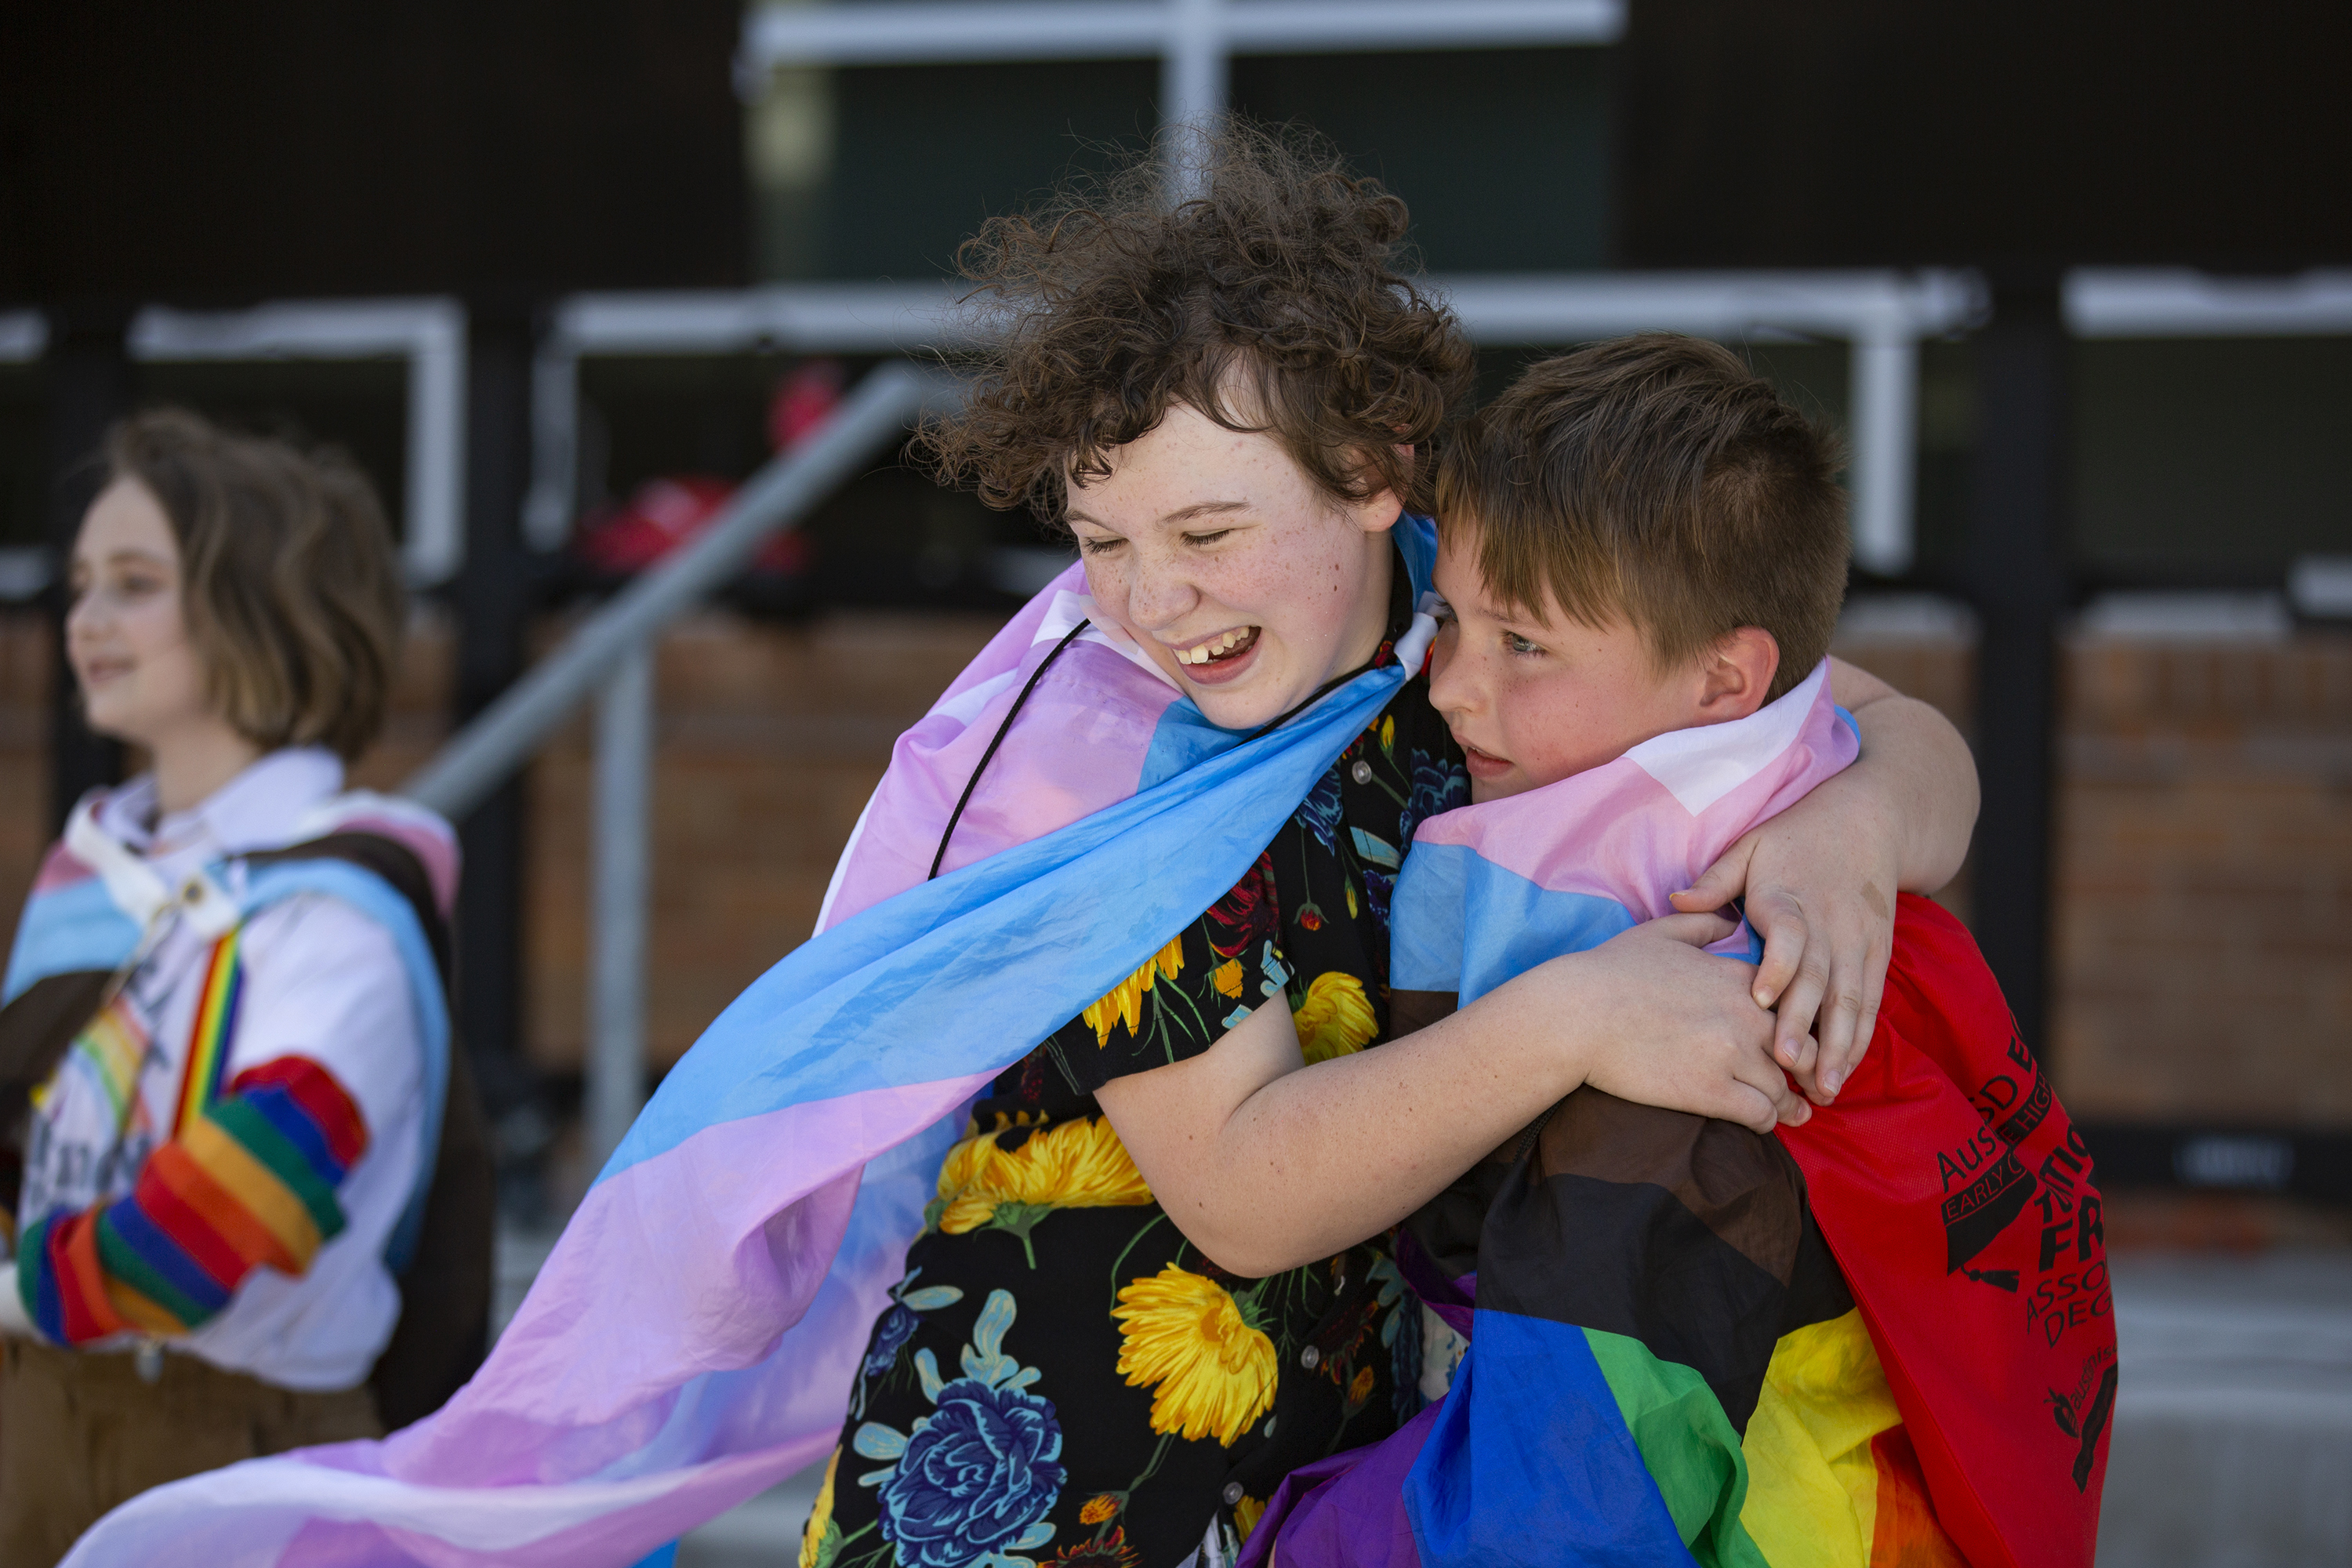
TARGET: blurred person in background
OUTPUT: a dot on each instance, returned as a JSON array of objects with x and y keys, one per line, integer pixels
[{"x": 226, "y": 1070}]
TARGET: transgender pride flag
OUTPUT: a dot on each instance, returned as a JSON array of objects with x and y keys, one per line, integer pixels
[{"x": 692, "y": 1338}]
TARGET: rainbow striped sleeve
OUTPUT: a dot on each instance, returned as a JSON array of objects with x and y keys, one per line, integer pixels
[{"x": 251, "y": 1179}]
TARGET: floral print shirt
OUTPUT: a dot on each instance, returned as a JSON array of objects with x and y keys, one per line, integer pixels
[{"x": 1065, "y": 1379}]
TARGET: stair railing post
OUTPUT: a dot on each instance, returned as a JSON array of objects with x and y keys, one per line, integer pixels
[{"x": 621, "y": 861}]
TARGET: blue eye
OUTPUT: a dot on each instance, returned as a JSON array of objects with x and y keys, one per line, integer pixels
[{"x": 1519, "y": 645}]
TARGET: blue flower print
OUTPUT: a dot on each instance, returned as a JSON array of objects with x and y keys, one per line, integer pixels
[
  {"x": 975, "y": 1479},
  {"x": 972, "y": 1482},
  {"x": 1401, "y": 1333},
  {"x": 1435, "y": 788},
  {"x": 898, "y": 1326},
  {"x": 1320, "y": 810},
  {"x": 890, "y": 1337},
  {"x": 1378, "y": 885}
]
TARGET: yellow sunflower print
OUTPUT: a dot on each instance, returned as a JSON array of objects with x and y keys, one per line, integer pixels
[
  {"x": 1125, "y": 1001},
  {"x": 1210, "y": 1369},
  {"x": 1248, "y": 1513},
  {"x": 1080, "y": 1164},
  {"x": 1335, "y": 1017},
  {"x": 820, "y": 1520}
]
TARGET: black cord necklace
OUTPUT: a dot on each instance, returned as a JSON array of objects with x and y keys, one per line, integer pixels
[
  {"x": 989, "y": 755},
  {"x": 985, "y": 757},
  {"x": 1321, "y": 692}
]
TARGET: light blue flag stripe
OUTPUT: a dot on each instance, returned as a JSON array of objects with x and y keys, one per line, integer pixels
[{"x": 1021, "y": 941}]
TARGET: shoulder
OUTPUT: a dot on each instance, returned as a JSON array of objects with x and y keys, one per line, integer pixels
[
  {"x": 326, "y": 981},
  {"x": 321, "y": 930},
  {"x": 390, "y": 825}
]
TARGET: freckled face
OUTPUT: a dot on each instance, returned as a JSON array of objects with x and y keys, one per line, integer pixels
[
  {"x": 126, "y": 637},
  {"x": 1532, "y": 700},
  {"x": 1241, "y": 578}
]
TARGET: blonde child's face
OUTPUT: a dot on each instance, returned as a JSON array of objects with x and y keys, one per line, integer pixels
[
  {"x": 127, "y": 634},
  {"x": 1222, "y": 560},
  {"x": 1534, "y": 699}
]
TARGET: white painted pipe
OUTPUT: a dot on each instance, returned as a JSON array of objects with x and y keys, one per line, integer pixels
[{"x": 1884, "y": 394}]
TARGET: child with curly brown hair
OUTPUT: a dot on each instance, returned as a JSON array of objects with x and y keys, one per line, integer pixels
[{"x": 1171, "y": 1213}]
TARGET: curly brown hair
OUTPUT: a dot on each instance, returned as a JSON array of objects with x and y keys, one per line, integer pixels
[{"x": 1271, "y": 300}]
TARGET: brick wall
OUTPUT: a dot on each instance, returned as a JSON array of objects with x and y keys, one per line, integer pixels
[
  {"x": 25, "y": 670},
  {"x": 2205, "y": 883},
  {"x": 2204, "y": 866},
  {"x": 2204, "y": 926}
]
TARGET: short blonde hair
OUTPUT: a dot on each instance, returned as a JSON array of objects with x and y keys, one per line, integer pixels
[{"x": 290, "y": 587}]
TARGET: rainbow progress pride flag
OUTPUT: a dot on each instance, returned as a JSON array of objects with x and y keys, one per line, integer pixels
[
  {"x": 1881, "y": 1339},
  {"x": 692, "y": 1339}
]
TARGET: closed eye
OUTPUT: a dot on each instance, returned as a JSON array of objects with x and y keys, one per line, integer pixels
[
  {"x": 1209, "y": 538},
  {"x": 1100, "y": 546}
]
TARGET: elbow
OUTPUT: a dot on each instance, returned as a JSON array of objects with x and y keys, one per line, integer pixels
[
  {"x": 1237, "y": 1251},
  {"x": 1943, "y": 857}
]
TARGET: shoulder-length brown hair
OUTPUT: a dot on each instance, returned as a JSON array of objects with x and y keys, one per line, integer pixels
[{"x": 290, "y": 587}]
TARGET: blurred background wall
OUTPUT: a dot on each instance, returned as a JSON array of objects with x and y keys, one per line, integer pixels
[{"x": 2076, "y": 282}]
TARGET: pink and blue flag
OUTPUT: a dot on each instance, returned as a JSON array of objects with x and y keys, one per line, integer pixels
[{"x": 692, "y": 1339}]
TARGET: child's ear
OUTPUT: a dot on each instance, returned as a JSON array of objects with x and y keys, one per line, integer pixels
[{"x": 1737, "y": 673}]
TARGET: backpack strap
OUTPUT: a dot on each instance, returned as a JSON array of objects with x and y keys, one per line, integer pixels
[{"x": 443, "y": 1332}]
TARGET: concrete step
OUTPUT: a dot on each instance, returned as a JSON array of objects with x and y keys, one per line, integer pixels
[{"x": 2232, "y": 1445}]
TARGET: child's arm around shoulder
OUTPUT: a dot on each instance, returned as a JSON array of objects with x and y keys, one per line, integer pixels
[
  {"x": 1821, "y": 878},
  {"x": 1265, "y": 1163}
]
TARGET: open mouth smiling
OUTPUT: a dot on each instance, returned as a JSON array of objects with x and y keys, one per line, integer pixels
[{"x": 1224, "y": 646}]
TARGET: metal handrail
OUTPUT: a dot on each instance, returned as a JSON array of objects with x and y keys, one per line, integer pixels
[
  {"x": 481, "y": 756},
  {"x": 611, "y": 656}
]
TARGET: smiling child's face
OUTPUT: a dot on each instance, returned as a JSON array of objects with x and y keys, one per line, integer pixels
[
  {"x": 1533, "y": 698},
  {"x": 1216, "y": 553}
]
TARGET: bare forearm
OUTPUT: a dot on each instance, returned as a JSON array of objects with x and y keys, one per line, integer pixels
[
  {"x": 1266, "y": 1164},
  {"x": 1354, "y": 1144},
  {"x": 1915, "y": 773}
]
